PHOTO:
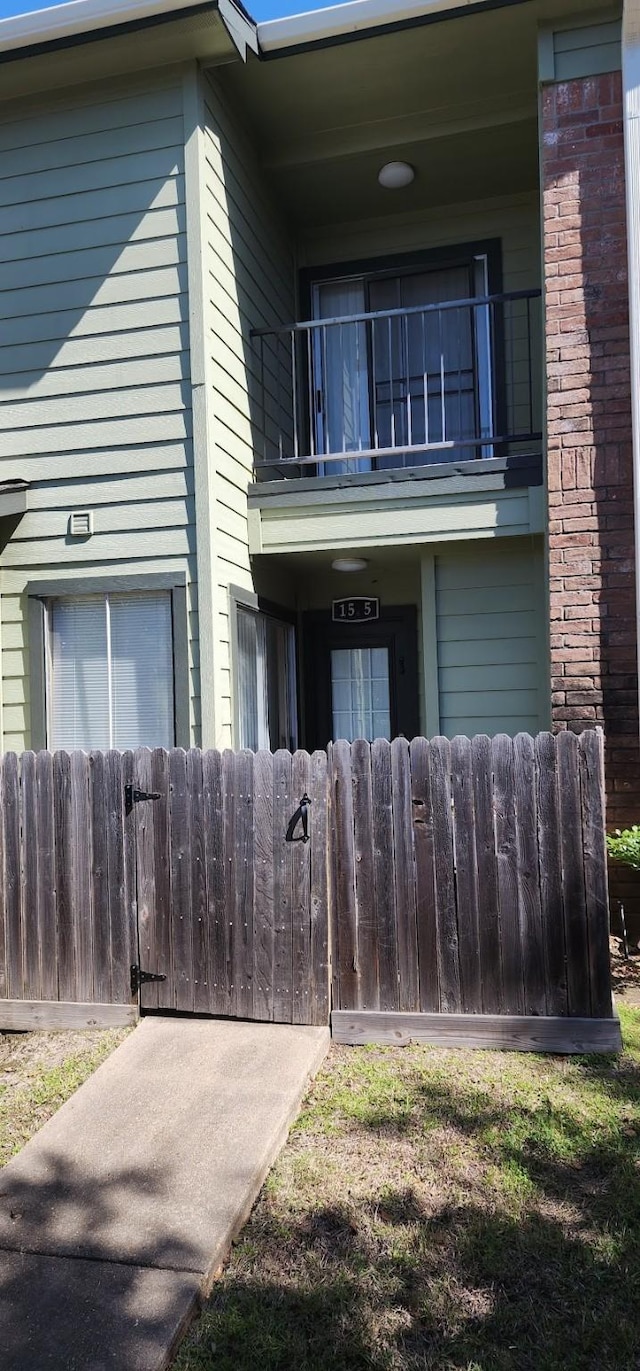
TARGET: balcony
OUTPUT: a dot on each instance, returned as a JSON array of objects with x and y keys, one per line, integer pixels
[{"x": 458, "y": 381}]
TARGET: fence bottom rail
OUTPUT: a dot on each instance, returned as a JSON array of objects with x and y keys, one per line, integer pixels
[
  {"x": 21, "y": 1015},
  {"x": 507, "y": 1032}
]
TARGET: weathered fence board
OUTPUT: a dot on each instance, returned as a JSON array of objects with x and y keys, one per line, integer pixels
[
  {"x": 446, "y": 914},
  {"x": 551, "y": 889},
  {"x": 596, "y": 889},
  {"x": 405, "y": 883},
  {"x": 46, "y": 895},
  {"x": 283, "y": 804},
  {"x": 575, "y": 903},
  {"x": 529, "y": 904},
  {"x": 463, "y": 878},
  {"x": 318, "y": 847},
  {"x": 383, "y": 875},
  {"x": 121, "y": 880},
  {"x": 343, "y": 900},
  {"x": 464, "y": 837},
  {"x": 488, "y": 905},
  {"x": 264, "y": 888},
  {"x": 427, "y": 930}
]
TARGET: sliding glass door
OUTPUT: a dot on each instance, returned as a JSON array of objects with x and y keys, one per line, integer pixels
[{"x": 397, "y": 376}]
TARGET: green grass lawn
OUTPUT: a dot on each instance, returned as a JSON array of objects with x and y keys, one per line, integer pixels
[
  {"x": 437, "y": 1210},
  {"x": 39, "y": 1071}
]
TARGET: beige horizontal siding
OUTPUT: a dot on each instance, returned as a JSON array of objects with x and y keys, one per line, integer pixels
[{"x": 95, "y": 389}]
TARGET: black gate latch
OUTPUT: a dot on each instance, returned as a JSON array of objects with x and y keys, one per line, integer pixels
[
  {"x": 302, "y": 812},
  {"x": 140, "y": 977},
  {"x": 133, "y": 796}
]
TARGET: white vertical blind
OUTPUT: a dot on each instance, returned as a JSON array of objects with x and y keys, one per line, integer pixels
[
  {"x": 111, "y": 677},
  {"x": 252, "y": 681},
  {"x": 79, "y": 711},
  {"x": 342, "y": 375},
  {"x": 266, "y": 682},
  {"x": 141, "y": 670}
]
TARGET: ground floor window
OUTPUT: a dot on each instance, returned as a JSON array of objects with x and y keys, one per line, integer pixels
[
  {"x": 266, "y": 681},
  {"x": 110, "y": 671}
]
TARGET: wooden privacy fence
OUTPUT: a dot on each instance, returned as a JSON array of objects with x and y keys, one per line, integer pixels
[
  {"x": 438, "y": 878},
  {"x": 470, "y": 878}
]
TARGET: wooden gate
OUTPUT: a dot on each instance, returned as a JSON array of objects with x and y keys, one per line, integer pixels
[{"x": 231, "y": 894}]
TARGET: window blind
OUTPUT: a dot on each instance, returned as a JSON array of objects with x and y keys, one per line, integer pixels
[
  {"x": 111, "y": 672},
  {"x": 79, "y": 713},
  {"x": 252, "y": 681}
]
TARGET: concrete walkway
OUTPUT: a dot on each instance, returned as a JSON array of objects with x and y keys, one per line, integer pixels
[{"x": 116, "y": 1216}]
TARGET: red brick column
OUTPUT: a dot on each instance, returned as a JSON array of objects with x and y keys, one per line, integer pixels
[{"x": 590, "y": 473}]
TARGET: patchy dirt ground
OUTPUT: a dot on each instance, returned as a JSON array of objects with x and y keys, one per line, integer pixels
[
  {"x": 39, "y": 1071},
  {"x": 625, "y": 974}
]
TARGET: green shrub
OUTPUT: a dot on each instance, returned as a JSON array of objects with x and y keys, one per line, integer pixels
[{"x": 625, "y": 846}]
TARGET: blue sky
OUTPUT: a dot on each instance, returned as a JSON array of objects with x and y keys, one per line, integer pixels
[{"x": 260, "y": 9}]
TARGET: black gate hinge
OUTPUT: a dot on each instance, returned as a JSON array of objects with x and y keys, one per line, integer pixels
[
  {"x": 140, "y": 977},
  {"x": 133, "y": 796}
]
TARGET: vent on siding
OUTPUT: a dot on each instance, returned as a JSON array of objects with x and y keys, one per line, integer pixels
[{"x": 81, "y": 524}]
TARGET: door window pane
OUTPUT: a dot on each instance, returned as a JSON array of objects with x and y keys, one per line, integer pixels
[
  {"x": 111, "y": 676},
  {"x": 360, "y": 693}
]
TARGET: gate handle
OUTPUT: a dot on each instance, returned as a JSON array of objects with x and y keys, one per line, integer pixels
[{"x": 302, "y": 812}]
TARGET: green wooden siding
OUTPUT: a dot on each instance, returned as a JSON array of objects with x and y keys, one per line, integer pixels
[
  {"x": 514, "y": 219},
  {"x": 588, "y": 50},
  {"x": 94, "y": 354},
  {"x": 490, "y": 627},
  {"x": 250, "y": 271}
]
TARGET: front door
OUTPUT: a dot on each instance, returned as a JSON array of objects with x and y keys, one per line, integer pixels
[{"x": 361, "y": 679}]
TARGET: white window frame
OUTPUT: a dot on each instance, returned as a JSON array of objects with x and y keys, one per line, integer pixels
[{"x": 40, "y": 595}]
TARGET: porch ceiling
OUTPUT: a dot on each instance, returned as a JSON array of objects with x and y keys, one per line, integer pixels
[{"x": 458, "y": 100}]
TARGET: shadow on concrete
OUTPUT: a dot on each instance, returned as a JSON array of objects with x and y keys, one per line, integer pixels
[{"x": 65, "y": 1303}]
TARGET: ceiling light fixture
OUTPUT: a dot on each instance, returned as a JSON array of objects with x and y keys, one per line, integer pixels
[
  {"x": 349, "y": 564},
  {"x": 395, "y": 175}
]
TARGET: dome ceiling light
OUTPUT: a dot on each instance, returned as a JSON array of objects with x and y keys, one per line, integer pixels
[
  {"x": 396, "y": 175},
  {"x": 349, "y": 564}
]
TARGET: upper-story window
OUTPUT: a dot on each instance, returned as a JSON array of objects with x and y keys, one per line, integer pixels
[
  {"x": 416, "y": 360},
  {"x": 398, "y": 371}
]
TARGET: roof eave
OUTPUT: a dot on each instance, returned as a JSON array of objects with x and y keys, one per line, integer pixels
[
  {"x": 93, "y": 19},
  {"x": 344, "y": 22}
]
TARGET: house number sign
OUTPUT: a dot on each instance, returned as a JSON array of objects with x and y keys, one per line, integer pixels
[{"x": 359, "y": 609}]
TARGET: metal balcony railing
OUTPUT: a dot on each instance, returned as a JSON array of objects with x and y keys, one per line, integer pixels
[{"x": 403, "y": 387}]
